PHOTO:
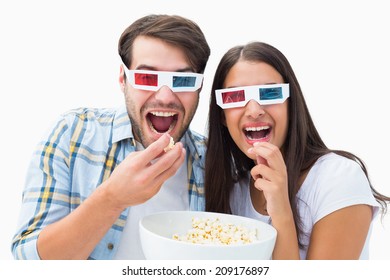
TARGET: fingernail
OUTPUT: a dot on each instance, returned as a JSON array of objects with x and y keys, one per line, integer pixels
[{"x": 250, "y": 151}]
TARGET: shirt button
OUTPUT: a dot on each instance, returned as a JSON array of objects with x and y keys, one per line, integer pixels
[{"x": 110, "y": 246}]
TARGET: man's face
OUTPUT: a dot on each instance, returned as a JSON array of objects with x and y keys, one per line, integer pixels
[{"x": 153, "y": 113}]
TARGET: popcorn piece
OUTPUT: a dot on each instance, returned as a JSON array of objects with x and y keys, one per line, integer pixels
[
  {"x": 208, "y": 231},
  {"x": 170, "y": 145}
]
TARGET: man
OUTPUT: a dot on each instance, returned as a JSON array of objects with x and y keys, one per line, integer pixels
[{"x": 100, "y": 171}]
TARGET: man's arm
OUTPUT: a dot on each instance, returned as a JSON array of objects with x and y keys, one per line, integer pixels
[{"x": 132, "y": 182}]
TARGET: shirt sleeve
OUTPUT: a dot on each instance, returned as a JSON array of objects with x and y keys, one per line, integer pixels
[
  {"x": 340, "y": 183},
  {"x": 45, "y": 196}
]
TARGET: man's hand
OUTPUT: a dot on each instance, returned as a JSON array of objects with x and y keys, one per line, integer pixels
[{"x": 140, "y": 175}]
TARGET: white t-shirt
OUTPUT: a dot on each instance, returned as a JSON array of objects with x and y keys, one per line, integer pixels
[
  {"x": 173, "y": 195},
  {"x": 334, "y": 182}
]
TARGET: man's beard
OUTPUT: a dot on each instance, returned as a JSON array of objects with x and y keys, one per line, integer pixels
[{"x": 140, "y": 136}]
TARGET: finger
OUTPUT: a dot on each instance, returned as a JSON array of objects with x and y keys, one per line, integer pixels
[
  {"x": 263, "y": 185},
  {"x": 270, "y": 153},
  {"x": 155, "y": 149},
  {"x": 172, "y": 169},
  {"x": 263, "y": 171},
  {"x": 166, "y": 161},
  {"x": 261, "y": 160}
]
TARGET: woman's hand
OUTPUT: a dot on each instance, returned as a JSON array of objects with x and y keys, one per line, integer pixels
[{"x": 270, "y": 176}]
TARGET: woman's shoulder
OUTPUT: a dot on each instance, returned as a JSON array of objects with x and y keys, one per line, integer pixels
[
  {"x": 334, "y": 182},
  {"x": 335, "y": 172},
  {"x": 334, "y": 164}
]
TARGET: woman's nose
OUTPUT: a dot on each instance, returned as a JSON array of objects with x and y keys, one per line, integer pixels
[{"x": 254, "y": 109}]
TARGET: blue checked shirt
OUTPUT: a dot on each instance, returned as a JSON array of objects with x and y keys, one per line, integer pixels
[{"x": 80, "y": 153}]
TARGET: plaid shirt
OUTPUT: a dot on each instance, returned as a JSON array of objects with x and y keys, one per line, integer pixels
[{"x": 80, "y": 153}]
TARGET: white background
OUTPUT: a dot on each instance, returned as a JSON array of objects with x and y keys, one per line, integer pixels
[{"x": 59, "y": 55}]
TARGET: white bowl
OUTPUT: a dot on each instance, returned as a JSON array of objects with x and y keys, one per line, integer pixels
[{"x": 157, "y": 230}]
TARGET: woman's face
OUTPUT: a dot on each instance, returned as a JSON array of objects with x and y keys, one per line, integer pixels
[{"x": 254, "y": 122}]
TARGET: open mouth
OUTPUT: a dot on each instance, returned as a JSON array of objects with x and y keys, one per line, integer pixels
[
  {"x": 162, "y": 122},
  {"x": 258, "y": 133}
]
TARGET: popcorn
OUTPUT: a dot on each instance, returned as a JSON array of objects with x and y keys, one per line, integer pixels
[
  {"x": 213, "y": 231},
  {"x": 170, "y": 145}
]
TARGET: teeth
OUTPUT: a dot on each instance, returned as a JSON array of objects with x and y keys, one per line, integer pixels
[
  {"x": 163, "y": 114},
  {"x": 259, "y": 128}
]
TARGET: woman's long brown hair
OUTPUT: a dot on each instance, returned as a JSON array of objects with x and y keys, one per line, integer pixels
[{"x": 226, "y": 164}]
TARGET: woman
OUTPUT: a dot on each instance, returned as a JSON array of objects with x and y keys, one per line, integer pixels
[{"x": 266, "y": 160}]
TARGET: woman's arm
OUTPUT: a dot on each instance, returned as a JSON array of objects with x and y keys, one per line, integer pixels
[
  {"x": 270, "y": 177},
  {"x": 341, "y": 234}
]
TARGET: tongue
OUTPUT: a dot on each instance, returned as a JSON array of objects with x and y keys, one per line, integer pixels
[
  {"x": 258, "y": 134},
  {"x": 161, "y": 124}
]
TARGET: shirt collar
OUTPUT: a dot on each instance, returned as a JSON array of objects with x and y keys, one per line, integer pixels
[
  {"x": 195, "y": 143},
  {"x": 122, "y": 126}
]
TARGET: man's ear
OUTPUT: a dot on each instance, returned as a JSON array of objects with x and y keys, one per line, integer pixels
[{"x": 122, "y": 78}]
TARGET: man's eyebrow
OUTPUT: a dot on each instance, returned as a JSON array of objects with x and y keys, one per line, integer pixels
[
  {"x": 152, "y": 68},
  {"x": 145, "y": 67}
]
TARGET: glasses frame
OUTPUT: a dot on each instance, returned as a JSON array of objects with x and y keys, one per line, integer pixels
[
  {"x": 252, "y": 93},
  {"x": 165, "y": 78}
]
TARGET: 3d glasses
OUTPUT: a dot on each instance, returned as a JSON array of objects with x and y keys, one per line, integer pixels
[
  {"x": 263, "y": 94},
  {"x": 154, "y": 80}
]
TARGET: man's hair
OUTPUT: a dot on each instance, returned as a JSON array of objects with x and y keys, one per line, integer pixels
[{"x": 172, "y": 29}]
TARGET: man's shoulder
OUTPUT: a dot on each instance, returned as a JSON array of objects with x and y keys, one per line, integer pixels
[
  {"x": 196, "y": 143},
  {"x": 91, "y": 114},
  {"x": 197, "y": 137},
  {"x": 94, "y": 127}
]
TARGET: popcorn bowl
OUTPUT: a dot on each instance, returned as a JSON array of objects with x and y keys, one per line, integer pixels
[{"x": 157, "y": 231}]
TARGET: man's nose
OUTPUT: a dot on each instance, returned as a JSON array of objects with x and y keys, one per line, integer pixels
[{"x": 165, "y": 94}]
